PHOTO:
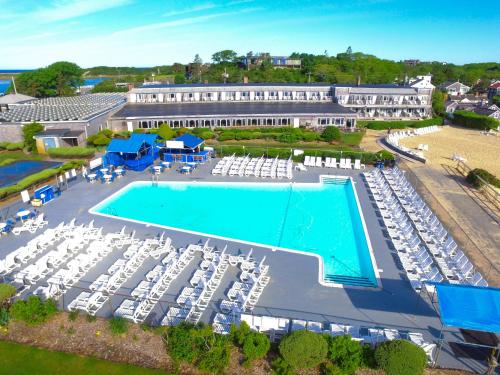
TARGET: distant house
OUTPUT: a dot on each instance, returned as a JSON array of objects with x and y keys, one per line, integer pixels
[
  {"x": 276, "y": 61},
  {"x": 494, "y": 90},
  {"x": 468, "y": 99},
  {"x": 422, "y": 82},
  {"x": 454, "y": 88},
  {"x": 488, "y": 111},
  {"x": 412, "y": 62}
]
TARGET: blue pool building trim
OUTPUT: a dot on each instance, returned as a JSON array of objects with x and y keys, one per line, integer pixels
[{"x": 376, "y": 284}]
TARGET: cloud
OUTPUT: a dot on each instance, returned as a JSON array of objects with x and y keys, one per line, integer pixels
[
  {"x": 194, "y": 9},
  {"x": 236, "y": 2},
  {"x": 67, "y": 9},
  {"x": 179, "y": 22}
]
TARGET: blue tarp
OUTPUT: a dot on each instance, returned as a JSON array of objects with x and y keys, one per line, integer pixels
[
  {"x": 190, "y": 141},
  {"x": 469, "y": 307},
  {"x": 136, "y": 153}
]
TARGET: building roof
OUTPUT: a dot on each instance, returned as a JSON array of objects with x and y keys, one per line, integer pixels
[
  {"x": 74, "y": 108},
  {"x": 15, "y": 98},
  {"x": 495, "y": 85},
  {"x": 145, "y": 88},
  {"x": 483, "y": 111},
  {"x": 59, "y": 133},
  {"x": 456, "y": 84},
  {"x": 386, "y": 90},
  {"x": 228, "y": 109},
  {"x": 190, "y": 141}
]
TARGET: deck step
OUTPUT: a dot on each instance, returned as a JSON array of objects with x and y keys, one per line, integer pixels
[{"x": 350, "y": 280}]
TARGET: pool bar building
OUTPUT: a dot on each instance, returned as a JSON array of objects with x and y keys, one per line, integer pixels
[{"x": 185, "y": 149}]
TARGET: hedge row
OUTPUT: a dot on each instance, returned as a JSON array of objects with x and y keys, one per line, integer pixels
[
  {"x": 36, "y": 178},
  {"x": 478, "y": 175},
  {"x": 475, "y": 121},
  {"x": 71, "y": 152},
  {"x": 384, "y": 125},
  {"x": 282, "y": 153},
  {"x": 11, "y": 146}
]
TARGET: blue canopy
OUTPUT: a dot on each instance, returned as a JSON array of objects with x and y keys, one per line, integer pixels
[
  {"x": 469, "y": 307},
  {"x": 190, "y": 141},
  {"x": 132, "y": 145},
  {"x": 137, "y": 152}
]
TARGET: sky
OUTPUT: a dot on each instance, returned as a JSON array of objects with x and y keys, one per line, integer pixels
[{"x": 143, "y": 33}]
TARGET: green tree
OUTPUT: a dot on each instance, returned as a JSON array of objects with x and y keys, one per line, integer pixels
[
  {"x": 29, "y": 131},
  {"x": 179, "y": 79},
  {"x": 224, "y": 56},
  {"x": 60, "y": 78},
  {"x": 255, "y": 346},
  {"x": 107, "y": 85},
  {"x": 438, "y": 98},
  {"x": 165, "y": 132}
]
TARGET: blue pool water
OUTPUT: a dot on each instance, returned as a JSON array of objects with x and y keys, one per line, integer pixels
[
  {"x": 14, "y": 172},
  {"x": 315, "y": 218}
]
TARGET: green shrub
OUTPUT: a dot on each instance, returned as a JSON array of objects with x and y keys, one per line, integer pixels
[
  {"x": 14, "y": 146},
  {"x": 3, "y": 145},
  {"x": 101, "y": 140},
  {"x": 122, "y": 134},
  {"x": 4, "y": 316},
  {"x": 384, "y": 125},
  {"x": 474, "y": 178},
  {"x": 90, "y": 318},
  {"x": 303, "y": 349},
  {"x": 368, "y": 357},
  {"x": 198, "y": 345},
  {"x": 239, "y": 334},
  {"x": 71, "y": 152},
  {"x": 329, "y": 368},
  {"x": 255, "y": 346},
  {"x": 29, "y": 131},
  {"x": 118, "y": 325},
  {"x": 345, "y": 352},
  {"x": 226, "y": 136},
  {"x": 331, "y": 133},
  {"x": 281, "y": 367},
  {"x": 207, "y": 134},
  {"x": 474, "y": 121},
  {"x": 400, "y": 357},
  {"x": 73, "y": 315},
  {"x": 6, "y": 292},
  {"x": 33, "y": 311},
  {"x": 310, "y": 136}
]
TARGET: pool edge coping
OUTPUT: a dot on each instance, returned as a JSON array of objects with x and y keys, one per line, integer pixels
[{"x": 321, "y": 280}]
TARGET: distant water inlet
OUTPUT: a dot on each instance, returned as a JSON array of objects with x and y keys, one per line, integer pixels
[
  {"x": 12, "y": 173},
  {"x": 4, "y": 85},
  {"x": 314, "y": 218}
]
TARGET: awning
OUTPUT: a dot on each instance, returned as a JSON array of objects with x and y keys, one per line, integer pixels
[
  {"x": 133, "y": 144},
  {"x": 469, "y": 307},
  {"x": 190, "y": 141}
]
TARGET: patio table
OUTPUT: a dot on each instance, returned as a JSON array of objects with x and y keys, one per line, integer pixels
[{"x": 23, "y": 215}]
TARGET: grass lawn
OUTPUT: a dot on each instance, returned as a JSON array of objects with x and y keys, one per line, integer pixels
[
  {"x": 352, "y": 139},
  {"x": 23, "y": 359}
]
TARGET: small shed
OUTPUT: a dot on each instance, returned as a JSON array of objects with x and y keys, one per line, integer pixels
[
  {"x": 136, "y": 153},
  {"x": 185, "y": 149},
  {"x": 52, "y": 138}
]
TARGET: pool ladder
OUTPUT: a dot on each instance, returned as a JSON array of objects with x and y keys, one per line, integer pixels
[{"x": 155, "y": 179}]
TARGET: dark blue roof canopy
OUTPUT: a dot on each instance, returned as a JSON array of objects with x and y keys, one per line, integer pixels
[
  {"x": 190, "y": 141},
  {"x": 469, "y": 307},
  {"x": 133, "y": 144}
]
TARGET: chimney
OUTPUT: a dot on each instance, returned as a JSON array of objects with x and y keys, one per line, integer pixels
[
  {"x": 130, "y": 86},
  {"x": 245, "y": 79}
]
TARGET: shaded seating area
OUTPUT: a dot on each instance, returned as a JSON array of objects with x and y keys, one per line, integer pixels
[
  {"x": 475, "y": 311},
  {"x": 185, "y": 149},
  {"x": 135, "y": 153}
]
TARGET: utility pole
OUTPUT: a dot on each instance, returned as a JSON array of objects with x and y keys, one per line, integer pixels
[
  {"x": 308, "y": 77},
  {"x": 225, "y": 75}
]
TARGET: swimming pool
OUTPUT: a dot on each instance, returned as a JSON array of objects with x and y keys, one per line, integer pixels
[
  {"x": 322, "y": 219},
  {"x": 16, "y": 171}
]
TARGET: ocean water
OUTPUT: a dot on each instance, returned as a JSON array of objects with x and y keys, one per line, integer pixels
[
  {"x": 315, "y": 218},
  {"x": 4, "y": 85}
]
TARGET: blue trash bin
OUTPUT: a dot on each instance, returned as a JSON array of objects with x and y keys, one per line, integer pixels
[{"x": 45, "y": 193}]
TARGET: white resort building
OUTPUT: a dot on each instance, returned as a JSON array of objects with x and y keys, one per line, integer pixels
[{"x": 268, "y": 104}]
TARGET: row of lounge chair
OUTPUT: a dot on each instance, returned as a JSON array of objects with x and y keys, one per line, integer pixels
[
  {"x": 317, "y": 161},
  {"x": 425, "y": 249},
  {"x": 257, "y": 167},
  {"x": 243, "y": 294},
  {"x": 394, "y": 138}
]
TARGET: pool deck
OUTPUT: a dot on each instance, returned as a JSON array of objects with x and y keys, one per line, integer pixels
[{"x": 294, "y": 291}]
